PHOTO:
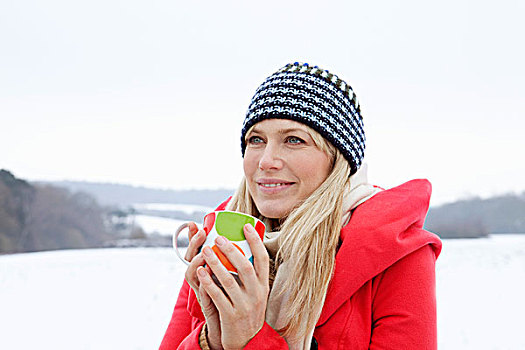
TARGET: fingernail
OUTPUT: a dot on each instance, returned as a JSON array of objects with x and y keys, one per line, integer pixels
[
  {"x": 207, "y": 251},
  {"x": 220, "y": 241},
  {"x": 201, "y": 272}
]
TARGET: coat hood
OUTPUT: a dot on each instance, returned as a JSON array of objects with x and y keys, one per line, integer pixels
[{"x": 381, "y": 231}]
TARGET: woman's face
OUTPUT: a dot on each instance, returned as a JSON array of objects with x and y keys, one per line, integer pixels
[{"x": 283, "y": 166}]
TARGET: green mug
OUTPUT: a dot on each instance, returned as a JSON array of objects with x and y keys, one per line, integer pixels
[{"x": 228, "y": 224}]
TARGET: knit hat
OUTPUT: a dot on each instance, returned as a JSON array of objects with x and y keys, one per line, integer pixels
[{"x": 317, "y": 98}]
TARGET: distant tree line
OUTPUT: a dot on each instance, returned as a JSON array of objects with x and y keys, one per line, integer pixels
[
  {"x": 476, "y": 217},
  {"x": 34, "y": 218},
  {"x": 37, "y": 217}
]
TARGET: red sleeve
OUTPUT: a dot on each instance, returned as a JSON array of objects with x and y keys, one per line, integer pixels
[
  {"x": 267, "y": 338},
  {"x": 183, "y": 332},
  {"x": 404, "y": 305}
]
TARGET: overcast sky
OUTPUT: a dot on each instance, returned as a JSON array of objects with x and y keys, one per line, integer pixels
[{"x": 154, "y": 92}]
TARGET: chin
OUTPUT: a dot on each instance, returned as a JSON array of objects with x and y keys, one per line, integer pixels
[{"x": 273, "y": 211}]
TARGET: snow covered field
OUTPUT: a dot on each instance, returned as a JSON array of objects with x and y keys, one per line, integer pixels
[
  {"x": 123, "y": 298},
  {"x": 481, "y": 293},
  {"x": 185, "y": 208},
  {"x": 163, "y": 226}
]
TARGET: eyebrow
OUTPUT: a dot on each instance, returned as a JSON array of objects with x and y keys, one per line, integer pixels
[{"x": 283, "y": 131}]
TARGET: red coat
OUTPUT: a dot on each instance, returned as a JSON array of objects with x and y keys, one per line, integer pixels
[{"x": 382, "y": 294}]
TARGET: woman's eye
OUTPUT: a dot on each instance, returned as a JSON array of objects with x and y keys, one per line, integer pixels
[
  {"x": 255, "y": 140},
  {"x": 294, "y": 140}
]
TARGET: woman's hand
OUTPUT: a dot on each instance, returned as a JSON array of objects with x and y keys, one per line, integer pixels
[
  {"x": 241, "y": 306},
  {"x": 197, "y": 238},
  {"x": 212, "y": 318}
]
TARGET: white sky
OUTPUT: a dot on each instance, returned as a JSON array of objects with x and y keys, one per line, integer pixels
[{"x": 154, "y": 92}]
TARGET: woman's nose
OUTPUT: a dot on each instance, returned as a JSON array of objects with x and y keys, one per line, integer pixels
[{"x": 270, "y": 158}]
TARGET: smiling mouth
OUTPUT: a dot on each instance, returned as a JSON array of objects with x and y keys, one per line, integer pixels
[
  {"x": 272, "y": 188},
  {"x": 275, "y": 185}
]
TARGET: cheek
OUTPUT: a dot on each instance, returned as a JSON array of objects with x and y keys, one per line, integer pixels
[
  {"x": 315, "y": 170},
  {"x": 249, "y": 164}
]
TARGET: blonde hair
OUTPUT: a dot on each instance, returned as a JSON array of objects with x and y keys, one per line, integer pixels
[{"x": 308, "y": 240}]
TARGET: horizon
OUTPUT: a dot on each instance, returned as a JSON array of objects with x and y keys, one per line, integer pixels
[{"x": 433, "y": 202}]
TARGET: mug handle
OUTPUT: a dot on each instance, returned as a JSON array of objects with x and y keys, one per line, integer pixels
[{"x": 175, "y": 236}]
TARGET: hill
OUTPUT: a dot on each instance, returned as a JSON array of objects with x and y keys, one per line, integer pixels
[
  {"x": 476, "y": 217},
  {"x": 467, "y": 218},
  {"x": 126, "y": 195},
  {"x": 43, "y": 217},
  {"x": 58, "y": 215}
]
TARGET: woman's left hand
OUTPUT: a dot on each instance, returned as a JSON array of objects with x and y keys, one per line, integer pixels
[{"x": 241, "y": 306}]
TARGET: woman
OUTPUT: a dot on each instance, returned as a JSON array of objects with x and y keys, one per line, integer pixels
[{"x": 344, "y": 264}]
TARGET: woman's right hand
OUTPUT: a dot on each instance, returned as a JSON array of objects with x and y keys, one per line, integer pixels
[{"x": 197, "y": 238}]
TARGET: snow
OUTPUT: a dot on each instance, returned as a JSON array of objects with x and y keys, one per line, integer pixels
[
  {"x": 481, "y": 293},
  {"x": 163, "y": 226},
  {"x": 87, "y": 299},
  {"x": 185, "y": 208},
  {"x": 123, "y": 298}
]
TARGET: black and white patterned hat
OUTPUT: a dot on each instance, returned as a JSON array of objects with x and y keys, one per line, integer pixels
[{"x": 317, "y": 98}]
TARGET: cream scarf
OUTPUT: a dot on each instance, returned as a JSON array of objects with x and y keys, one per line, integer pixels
[{"x": 360, "y": 190}]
